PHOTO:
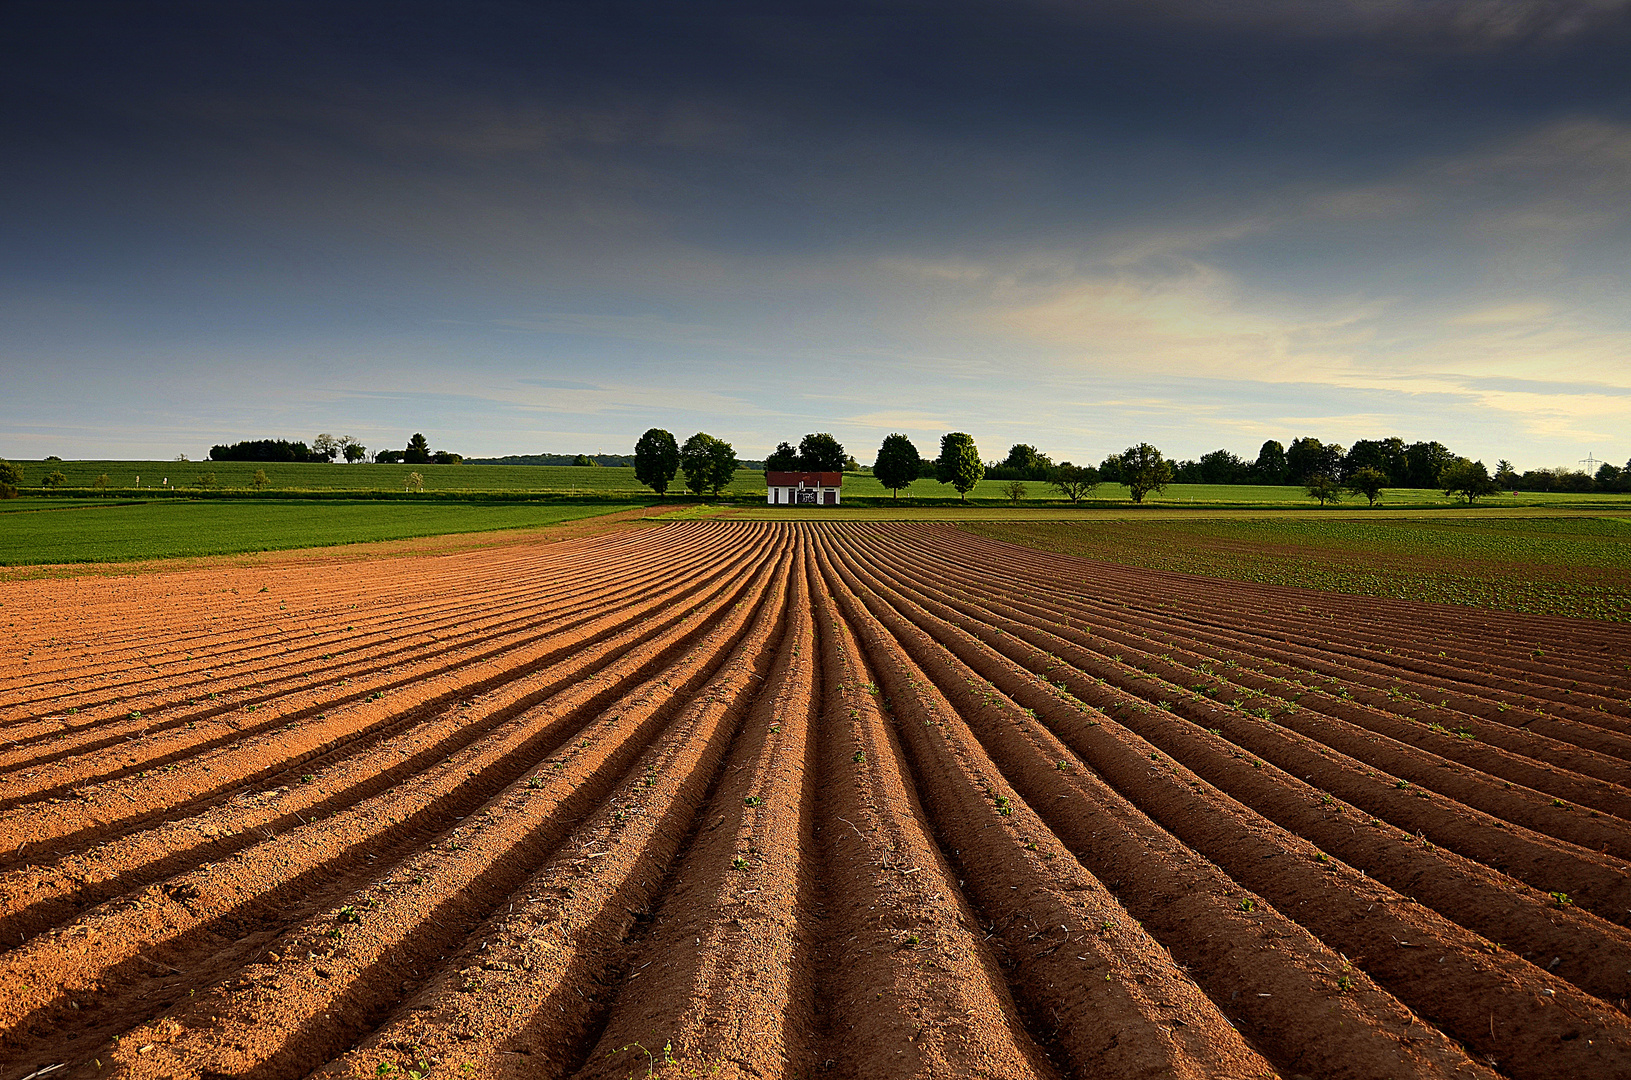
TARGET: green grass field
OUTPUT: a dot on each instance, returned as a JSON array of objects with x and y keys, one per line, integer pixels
[
  {"x": 123, "y": 477},
  {"x": 1577, "y": 566},
  {"x": 43, "y": 531},
  {"x": 617, "y": 482}
]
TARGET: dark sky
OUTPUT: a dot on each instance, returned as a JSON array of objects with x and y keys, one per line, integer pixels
[{"x": 526, "y": 227}]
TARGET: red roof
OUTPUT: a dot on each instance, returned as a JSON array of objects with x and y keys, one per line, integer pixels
[{"x": 808, "y": 479}]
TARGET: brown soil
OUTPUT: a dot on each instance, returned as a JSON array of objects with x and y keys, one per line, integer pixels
[{"x": 721, "y": 799}]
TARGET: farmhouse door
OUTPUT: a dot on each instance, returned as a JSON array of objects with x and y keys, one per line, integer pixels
[{"x": 831, "y": 496}]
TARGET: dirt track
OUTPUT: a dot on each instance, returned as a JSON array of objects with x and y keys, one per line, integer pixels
[{"x": 725, "y": 799}]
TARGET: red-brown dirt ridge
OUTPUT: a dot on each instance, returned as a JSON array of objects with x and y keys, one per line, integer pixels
[{"x": 721, "y": 799}]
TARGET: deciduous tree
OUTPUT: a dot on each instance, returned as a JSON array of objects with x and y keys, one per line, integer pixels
[
  {"x": 820, "y": 452},
  {"x": 352, "y": 450},
  {"x": 1369, "y": 480},
  {"x": 1144, "y": 470},
  {"x": 656, "y": 459},
  {"x": 709, "y": 464},
  {"x": 325, "y": 446},
  {"x": 959, "y": 462},
  {"x": 785, "y": 458},
  {"x": 1468, "y": 479},
  {"x": 1324, "y": 487},
  {"x": 898, "y": 463},
  {"x": 1270, "y": 467},
  {"x": 1075, "y": 482}
]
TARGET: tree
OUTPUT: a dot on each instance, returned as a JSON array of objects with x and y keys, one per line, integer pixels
[
  {"x": 1302, "y": 459},
  {"x": 785, "y": 458},
  {"x": 820, "y": 452},
  {"x": 898, "y": 463},
  {"x": 709, "y": 464},
  {"x": 1270, "y": 467},
  {"x": 352, "y": 450},
  {"x": 55, "y": 478},
  {"x": 1110, "y": 469},
  {"x": 415, "y": 482},
  {"x": 1367, "y": 481},
  {"x": 656, "y": 460},
  {"x": 1466, "y": 478},
  {"x": 101, "y": 482},
  {"x": 1014, "y": 490},
  {"x": 1144, "y": 470},
  {"x": 1024, "y": 462},
  {"x": 446, "y": 457},
  {"x": 583, "y": 459},
  {"x": 1609, "y": 478},
  {"x": 1222, "y": 467},
  {"x": 325, "y": 446},
  {"x": 1424, "y": 461},
  {"x": 1075, "y": 482},
  {"x": 1324, "y": 487},
  {"x": 959, "y": 462},
  {"x": 259, "y": 480},
  {"x": 1505, "y": 475},
  {"x": 204, "y": 480},
  {"x": 10, "y": 473},
  {"x": 418, "y": 451}
]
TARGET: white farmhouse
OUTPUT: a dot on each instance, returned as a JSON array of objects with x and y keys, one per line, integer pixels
[{"x": 803, "y": 488}]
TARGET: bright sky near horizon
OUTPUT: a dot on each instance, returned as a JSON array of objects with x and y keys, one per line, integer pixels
[{"x": 529, "y": 227}]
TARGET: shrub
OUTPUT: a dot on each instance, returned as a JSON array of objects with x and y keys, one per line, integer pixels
[
  {"x": 259, "y": 480},
  {"x": 100, "y": 483},
  {"x": 10, "y": 473},
  {"x": 204, "y": 480},
  {"x": 55, "y": 478},
  {"x": 1014, "y": 491}
]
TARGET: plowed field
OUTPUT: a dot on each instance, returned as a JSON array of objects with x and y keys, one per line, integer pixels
[{"x": 794, "y": 799}]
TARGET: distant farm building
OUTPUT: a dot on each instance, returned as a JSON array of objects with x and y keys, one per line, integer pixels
[{"x": 803, "y": 488}]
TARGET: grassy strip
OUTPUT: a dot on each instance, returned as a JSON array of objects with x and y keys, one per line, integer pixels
[
  {"x": 125, "y": 530},
  {"x": 1574, "y": 566},
  {"x": 494, "y": 481}
]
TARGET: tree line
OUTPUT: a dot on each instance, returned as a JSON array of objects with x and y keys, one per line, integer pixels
[{"x": 328, "y": 448}]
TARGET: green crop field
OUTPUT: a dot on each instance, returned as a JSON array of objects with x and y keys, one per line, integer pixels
[
  {"x": 42, "y": 531},
  {"x": 124, "y": 477},
  {"x": 1576, "y": 566}
]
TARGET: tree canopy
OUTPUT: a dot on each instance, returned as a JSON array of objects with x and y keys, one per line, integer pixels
[
  {"x": 708, "y": 463},
  {"x": 1367, "y": 481},
  {"x": 820, "y": 452},
  {"x": 656, "y": 459},
  {"x": 959, "y": 462},
  {"x": 898, "y": 463},
  {"x": 1324, "y": 487},
  {"x": 1075, "y": 482},
  {"x": 1469, "y": 479},
  {"x": 1144, "y": 470},
  {"x": 785, "y": 458},
  {"x": 417, "y": 451}
]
